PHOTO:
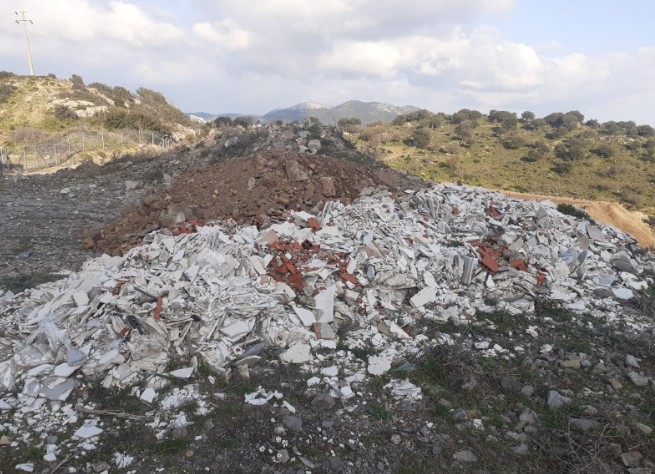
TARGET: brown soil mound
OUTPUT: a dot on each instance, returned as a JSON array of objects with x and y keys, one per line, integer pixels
[{"x": 242, "y": 188}]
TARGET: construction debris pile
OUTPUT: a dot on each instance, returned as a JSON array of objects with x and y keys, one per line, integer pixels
[
  {"x": 372, "y": 274},
  {"x": 242, "y": 188}
]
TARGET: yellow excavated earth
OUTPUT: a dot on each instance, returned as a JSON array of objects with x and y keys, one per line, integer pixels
[{"x": 602, "y": 211}]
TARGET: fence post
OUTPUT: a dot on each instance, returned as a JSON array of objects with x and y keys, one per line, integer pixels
[
  {"x": 103, "y": 140},
  {"x": 56, "y": 159},
  {"x": 122, "y": 139},
  {"x": 25, "y": 158},
  {"x": 70, "y": 153},
  {"x": 139, "y": 137},
  {"x": 153, "y": 139},
  {"x": 82, "y": 141},
  {"x": 36, "y": 158}
]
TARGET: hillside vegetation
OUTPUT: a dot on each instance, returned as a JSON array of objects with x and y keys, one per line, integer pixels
[
  {"x": 561, "y": 154},
  {"x": 39, "y": 109}
]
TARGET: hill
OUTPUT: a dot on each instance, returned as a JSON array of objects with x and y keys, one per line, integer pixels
[
  {"x": 49, "y": 105},
  {"x": 367, "y": 112},
  {"x": 560, "y": 155}
]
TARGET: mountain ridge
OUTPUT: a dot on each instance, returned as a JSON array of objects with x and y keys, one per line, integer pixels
[{"x": 366, "y": 111}]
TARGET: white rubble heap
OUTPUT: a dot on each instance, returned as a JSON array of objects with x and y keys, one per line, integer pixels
[{"x": 382, "y": 264}]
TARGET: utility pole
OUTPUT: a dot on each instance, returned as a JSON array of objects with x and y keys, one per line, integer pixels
[{"x": 27, "y": 40}]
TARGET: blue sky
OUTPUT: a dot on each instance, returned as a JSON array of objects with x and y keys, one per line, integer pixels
[
  {"x": 252, "y": 56},
  {"x": 590, "y": 27}
]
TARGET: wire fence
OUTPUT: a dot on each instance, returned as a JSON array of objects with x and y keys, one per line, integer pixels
[{"x": 34, "y": 157}]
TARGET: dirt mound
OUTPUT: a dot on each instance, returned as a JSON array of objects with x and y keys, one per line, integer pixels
[
  {"x": 605, "y": 212},
  {"x": 241, "y": 188}
]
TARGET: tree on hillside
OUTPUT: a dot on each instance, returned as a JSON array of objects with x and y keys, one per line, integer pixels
[
  {"x": 646, "y": 131},
  {"x": 527, "y": 116},
  {"x": 507, "y": 120},
  {"x": 514, "y": 141},
  {"x": 465, "y": 130},
  {"x": 421, "y": 138},
  {"x": 411, "y": 117},
  {"x": 223, "y": 122},
  {"x": 605, "y": 150},
  {"x": 465, "y": 114},
  {"x": 151, "y": 97},
  {"x": 573, "y": 116},
  {"x": 555, "y": 119},
  {"x": 571, "y": 150},
  {"x": 536, "y": 124},
  {"x": 78, "y": 82},
  {"x": 592, "y": 123},
  {"x": 435, "y": 120},
  {"x": 349, "y": 124},
  {"x": 610, "y": 128},
  {"x": 243, "y": 121},
  {"x": 102, "y": 88}
]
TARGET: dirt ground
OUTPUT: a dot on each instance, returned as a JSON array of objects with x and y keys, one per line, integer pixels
[{"x": 242, "y": 188}]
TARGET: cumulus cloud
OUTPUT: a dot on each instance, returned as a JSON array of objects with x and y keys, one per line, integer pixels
[
  {"x": 95, "y": 22},
  {"x": 272, "y": 53},
  {"x": 224, "y": 35}
]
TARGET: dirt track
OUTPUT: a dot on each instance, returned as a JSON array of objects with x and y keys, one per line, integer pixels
[{"x": 605, "y": 212}]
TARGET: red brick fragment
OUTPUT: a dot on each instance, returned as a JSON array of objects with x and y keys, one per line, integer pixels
[
  {"x": 489, "y": 264},
  {"x": 350, "y": 278},
  {"x": 519, "y": 265},
  {"x": 314, "y": 224}
]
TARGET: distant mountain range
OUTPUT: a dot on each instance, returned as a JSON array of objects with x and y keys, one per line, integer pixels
[{"x": 367, "y": 112}]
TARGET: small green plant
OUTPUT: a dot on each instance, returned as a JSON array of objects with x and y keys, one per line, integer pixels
[
  {"x": 379, "y": 412},
  {"x": 22, "y": 283},
  {"x": 573, "y": 211}
]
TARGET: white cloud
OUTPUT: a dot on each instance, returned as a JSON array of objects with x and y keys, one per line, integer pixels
[
  {"x": 94, "y": 23},
  {"x": 264, "y": 54},
  {"x": 225, "y": 35}
]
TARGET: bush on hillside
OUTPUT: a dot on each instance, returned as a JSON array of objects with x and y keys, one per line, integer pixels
[
  {"x": 243, "y": 121},
  {"x": 64, "y": 113},
  {"x": 464, "y": 115},
  {"x": 349, "y": 124},
  {"x": 28, "y": 136},
  {"x": 646, "y": 131},
  {"x": 6, "y": 74},
  {"x": 151, "y": 97},
  {"x": 78, "y": 82},
  {"x": 421, "y": 138},
  {"x": 117, "y": 118},
  {"x": 604, "y": 150},
  {"x": 527, "y": 116},
  {"x": 514, "y": 141},
  {"x": 223, "y": 122},
  {"x": 572, "y": 150},
  {"x": 102, "y": 88},
  {"x": 465, "y": 130},
  {"x": 411, "y": 117},
  {"x": 6, "y": 91}
]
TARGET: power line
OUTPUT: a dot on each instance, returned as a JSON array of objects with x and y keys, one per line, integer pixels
[{"x": 27, "y": 40}]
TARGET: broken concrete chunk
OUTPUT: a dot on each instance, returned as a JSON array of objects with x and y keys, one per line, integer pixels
[
  {"x": 182, "y": 373},
  {"x": 87, "y": 431},
  {"x": 378, "y": 365},
  {"x": 423, "y": 297},
  {"x": 297, "y": 354}
]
